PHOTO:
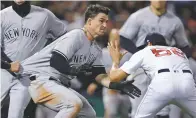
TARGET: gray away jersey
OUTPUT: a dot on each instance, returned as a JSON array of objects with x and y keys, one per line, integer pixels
[
  {"x": 74, "y": 46},
  {"x": 21, "y": 37},
  {"x": 144, "y": 21}
]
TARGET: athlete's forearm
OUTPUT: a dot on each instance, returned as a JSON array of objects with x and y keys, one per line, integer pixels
[
  {"x": 116, "y": 74},
  {"x": 58, "y": 62},
  {"x": 103, "y": 79},
  {"x": 5, "y": 57}
]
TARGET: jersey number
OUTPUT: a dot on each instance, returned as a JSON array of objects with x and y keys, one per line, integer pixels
[{"x": 166, "y": 52}]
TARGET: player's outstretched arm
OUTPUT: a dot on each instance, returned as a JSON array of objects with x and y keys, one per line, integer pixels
[
  {"x": 126, "y": 87},
  {"x": 116, "y": 74}
]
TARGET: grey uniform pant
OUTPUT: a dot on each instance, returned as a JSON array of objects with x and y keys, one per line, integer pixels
[
  {"x": 17, "y": 89},
  {"x": 52, "y": 94}
]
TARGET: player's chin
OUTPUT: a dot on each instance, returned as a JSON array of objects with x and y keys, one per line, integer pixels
[{"x": 101, "y": 33}]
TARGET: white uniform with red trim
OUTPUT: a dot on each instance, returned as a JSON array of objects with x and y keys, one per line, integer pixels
[{"x": 172, "y": 79}]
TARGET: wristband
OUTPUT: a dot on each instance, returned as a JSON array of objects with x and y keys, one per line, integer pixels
[
  {"x": 114, "y": 85},
  {"x": 5, "y": 65}
]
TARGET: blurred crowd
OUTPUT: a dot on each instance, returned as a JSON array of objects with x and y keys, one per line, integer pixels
[{"x": 71, "y": 12}]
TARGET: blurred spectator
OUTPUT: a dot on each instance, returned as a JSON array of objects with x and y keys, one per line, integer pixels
[
  {"x": 71, "y": 12},
  {"x": 72, "y": 19},
  {"x": 192, "y": 28},
  {"x": 194, "y": 52}
]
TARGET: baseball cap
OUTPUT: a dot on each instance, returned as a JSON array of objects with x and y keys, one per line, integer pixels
[{"x": 155, "y": 39}]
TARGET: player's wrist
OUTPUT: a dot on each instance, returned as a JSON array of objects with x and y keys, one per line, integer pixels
[
  {"x": 115, "y": 85},
  {"x": 100, "y": 77},
  {"x": 115, "y": 65},
  {"x": 7, "y": 65}
]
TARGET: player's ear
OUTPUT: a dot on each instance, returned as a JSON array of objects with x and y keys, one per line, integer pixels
[{"x": 89, "y": 21}]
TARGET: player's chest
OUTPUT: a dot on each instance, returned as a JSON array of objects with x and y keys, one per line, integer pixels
[
  {"x": 86, "y": 55},
  {"x": 158, "y": 25},
  {"x": 17, "y": 27}
]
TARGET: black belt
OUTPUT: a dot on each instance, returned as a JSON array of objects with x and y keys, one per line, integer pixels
[
  {"x": 65, "y": 82},
  {"x": 167, "y": 70},
  {"x": 32, "y": 78}
]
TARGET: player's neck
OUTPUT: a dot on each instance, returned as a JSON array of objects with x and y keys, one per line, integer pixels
[
  {"x": 22, "y": 9},
  {"x": 158, "y": 12},
  {"x": 89, "y": 33}
]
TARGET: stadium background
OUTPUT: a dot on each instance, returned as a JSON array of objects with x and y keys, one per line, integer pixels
[{"x": 71, "y": 13}]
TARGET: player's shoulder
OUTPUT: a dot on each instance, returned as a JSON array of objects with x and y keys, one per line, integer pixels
[
  {"x": 154, "y": 46},
  {"x": 172, "y": 15},
  {"x": 141, "y": 12},
  {"x": 6, "y": 10},
  {"x": 77, "y": 31},
  {"x": 149, "y": 48},
  {"x": 75, "y": 34},
  {"x": 40, "y": 9},
  {"x": 37, "y": 8},
  {"x": 157, "y": 47}
]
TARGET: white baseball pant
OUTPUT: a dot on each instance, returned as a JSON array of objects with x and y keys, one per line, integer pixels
[{"x": 165, "y": 88}]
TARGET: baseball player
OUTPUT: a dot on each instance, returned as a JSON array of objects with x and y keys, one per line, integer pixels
[
  {"x": 114, "y": 102},
  {"x": 169, "y": 69},
  {"x": 152, "y": 19},
  {"x": 25, "y": 29},
  {"x": 70, "y": 55}
]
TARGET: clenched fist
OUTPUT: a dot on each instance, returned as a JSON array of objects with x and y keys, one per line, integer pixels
[{"x": 15, "y": 66}]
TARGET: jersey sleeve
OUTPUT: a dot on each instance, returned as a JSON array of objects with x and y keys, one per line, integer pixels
[
  {"x": 56, "y": 26},
  {"x": 130, "y": 28},
  {"x": 180, "y": 36},
  {"x": 68, "y": 46},
  {"x": 134, "y": 63}
]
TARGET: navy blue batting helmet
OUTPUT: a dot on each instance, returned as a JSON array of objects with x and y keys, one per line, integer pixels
[{"x": 156, "y": 39}]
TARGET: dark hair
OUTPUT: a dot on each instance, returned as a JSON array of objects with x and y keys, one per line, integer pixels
[
  {"x": 156, "y": 39},
  {"x": 93, "y": 10}
]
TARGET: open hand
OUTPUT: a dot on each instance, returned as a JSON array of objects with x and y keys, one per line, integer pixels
[{"x": 115, "y": 52}]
